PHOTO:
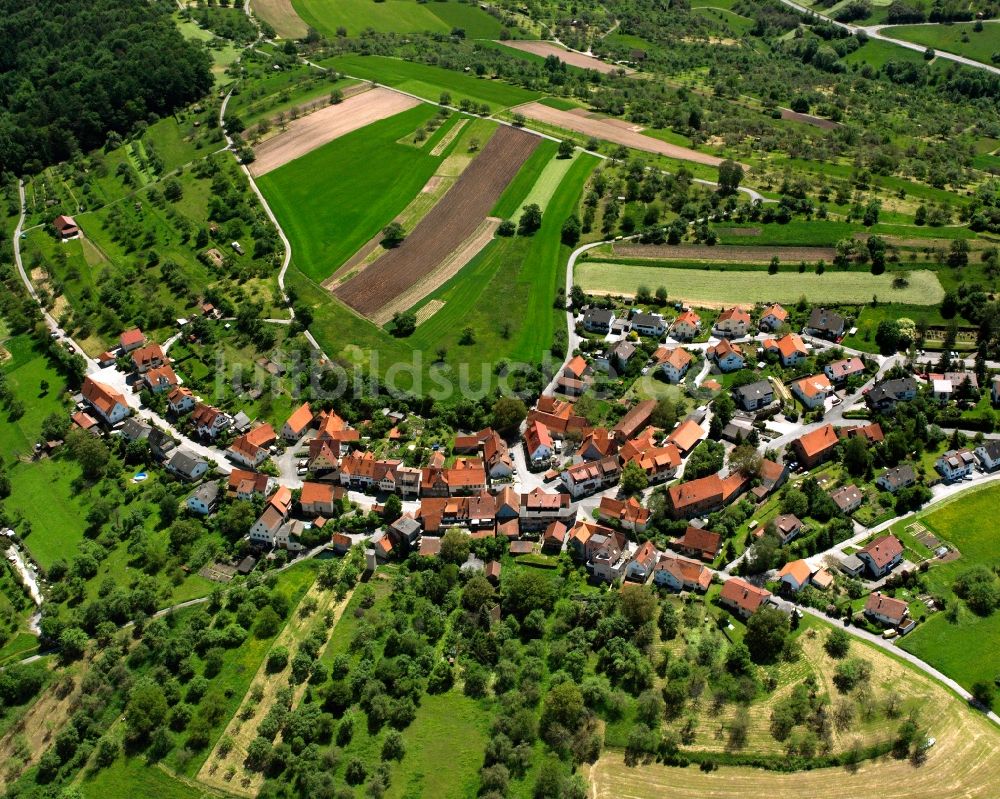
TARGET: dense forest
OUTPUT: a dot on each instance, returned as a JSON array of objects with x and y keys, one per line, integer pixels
[{"x": 71, "y": 71}]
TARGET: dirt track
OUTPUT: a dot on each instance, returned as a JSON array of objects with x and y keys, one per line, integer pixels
[
  {"x": 445, "y": 227},
  {"x": 306, "y": 134},
  {"x": 580, "y": 60},
  {"x": 724, "y": 252},
  {"x": 610, "y": 131}
]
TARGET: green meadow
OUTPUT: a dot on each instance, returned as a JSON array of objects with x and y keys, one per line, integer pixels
[{"x": 397, "y": 16}]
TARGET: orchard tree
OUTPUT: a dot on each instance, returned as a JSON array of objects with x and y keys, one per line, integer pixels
[
  {"x": 767, "y": 630},
  {"x": 730, "y": 176}
]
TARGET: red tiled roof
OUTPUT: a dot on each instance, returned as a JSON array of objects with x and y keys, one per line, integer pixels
[
  {"x": 883, "y": 549},
  {"x": 131, "y": 337},
  {"x": 818, "y": 441},
  {"x": 300, "y": 419},
  {"x": 798, "y": 569},
  {"x": 814, "y": 385},
  {"x": 892, "y": 609},
  {"x": 686, "y": 435},
  {"x": 316, "y": 492},
  {"x": 704, "y": 541},
  {"x": 743, "y": 594},
  {"x": 102, "y": 397}
]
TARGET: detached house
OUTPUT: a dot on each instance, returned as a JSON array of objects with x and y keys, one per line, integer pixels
[
  {"x": 704, "y": 495},
  {"x": 816, "y": 447},
  {"x": 882, "y": 555},
  {"x": 598, "y": 320},
  {"x": 686, "y": 436},
  {"x": 537, "y": 444},
  {"x": 686, "y": 326},
  {"x": 180, "y": 400},
  {"x": 848, "y": 498},
  {"x": 956, "y": 464},
  {"x": 107, "y": 403},
  {"x": 131, "y": 339},
  {"x": 250, "y": 449},
  {"x": 795, "y": 576},
  {"x": 790, "y": 349},
  {"x": 148, "y": 357},
  {"x": 742, "y": 597},
  {"x": 699, "y": 543},
  {"x": 772, "y": 317},
  {"x": 680, "y": 574},
  {"x": 204, "y": 500},
  {"x": 186, "y": 465},
  {"x": 839, "y": 371},
  {"x": 591, "y": 476},
  {"x": 598, "y": 443},
  {"x": 827, "y": 324},
  {"x": 659, "y": 463},
  {"x": 673, "y": 362},
  {"x": 247, "y": 485},
  {"x": 898, "y": 477},
  {"x": 754, "y": 396},
  {"x": 883, "y": 396},
  {"x": 66, "y": 227},
  {"x": 642, "y": 564},
  {"x": 729, "y": 357},
  {"x": 989, "y": 455},
  {"x": 813, "y": 391},
  {"x": 732, "y": 323},
  {"x": 649, "y": 324},
  {"x": 160, "y": 379},
  {"x": 607, "y": 555},
  {"x": 885, "y": 610},
  {"x": 208, "y": 421},
  {"x": 318, "y": 499},
  {"x": 537, "y": 509},
  {"x": 628, "y": 513},
  {"x": 297, "y": 423}
]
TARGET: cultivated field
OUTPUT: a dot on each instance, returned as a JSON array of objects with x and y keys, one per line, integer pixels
[
  {"x": 713, "y": 287},
  {"x": 545, "y": 49},
  {"x": 281, "y": 16},
  {"x": 669, "y": 252},
  {"x": 399, "y": 16},
  {"x": 613, "y": 130},
  {"x": 450, "y": 223},
  {"x": 311, "y": 132}
]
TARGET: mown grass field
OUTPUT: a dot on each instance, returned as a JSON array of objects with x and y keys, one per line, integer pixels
[
  {"x": 544, "y": 183},
  {"x": 329, "y": 205},
  {"x": 980, "y": 45},
  {"x": 505, "y": 295},
  {"x": 877, "y": 54},
  {"x": 724, "y": 286},
  {"x": 25, "y": 371},
  {"x": 43, "y": 494},
  {"x": 396, "y": 16},
  {"x": 429, "y": 82},
  {"x": 868, "y": 320},
  {"x": 965, "y": 650}
]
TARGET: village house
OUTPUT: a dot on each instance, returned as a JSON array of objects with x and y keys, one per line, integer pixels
[
  {"x": 186, "y": 465},
  {"x": 554, "y": 537},
  {"x": 794, "y": 576},
  {"x": 697, "y": 542},
  {"x": 135, "y": 429},
  {"x": 743, "y": 598},
  {"x": 107, "y": 403},
  {"x": 754, "y": 396},
  {"x": 537, "y": 445},
  {"x": 732, "y": 323},
  {"x": 704, "y": 495},
  {"x": 251, "y": 448},
  {"x": 297, "y": 423},
  {"x": 772, "y": 477},
  {"x": 635, "y": 420},
  {"x": 580, "y": 534},
  {"x": 323, "y": 459},
  {"x": 626, "y": 513},
  {"x": 265, "y": 531},
  {"x": 790, "y": 349},
  {"x": 208, "y": 421},
  {"x": 160, "y": 379},
  {"x": 738, "y": 429},
  {"x": 848, "y": 498},
  {"x": 956, "y": 464},
  {"x": 558, "y": 416},
  {"x": 148, "y": 357},
  {"x": 65, "y": 227},
  {"x": 881, "y": 556},
  {"x": 673, "y": 362},
  {"x": 204, "y": 499},
  {"x": 728, "y": 357},
  {"x": 496, "y": 455},
  {"x": 816, "y": 447},
  {"x": 598, "y": 443},
  {"x": 130, "y": 340},
  {"x": 598, "y": 320},
  {"x": 538, "y": 509},
  {"x": 786, "y": 526},
  {"x": 642, "y": 563},
  {"x": 989, "y": 455},
  {"x": 686, "y": 326},
  {"x": 883, "y": 396},
  {"x": 826, "y": 324},
  {"x": 947, "y": 386},
  {"x": 680, "y": 574},
  {"x": 161, "y": 445},
  {"x": 659, "y": 463},
  {"x": 872, "y": 432},
  {"x": 813, "y": 391},
  {"x": 686, "y": 436},
  {"x": 772, "y": 318},
  {"x": 649, "y": 324},
  {"x": 885, "y": 610},
  {"x": 180, "y": 400},
  {"x": 318, "y": 499},
  {"x": 607, "y": 555},
  {"x": 615, "y": 359},
  {"x": 590, "y": 477},
  {"x": 405, "y": 531},
  {"x": 842, "y": 370},
  {"x": 577, "y": 368},
  {"x": 898, "y": 477},
  {"x": 247, "y": 485}
]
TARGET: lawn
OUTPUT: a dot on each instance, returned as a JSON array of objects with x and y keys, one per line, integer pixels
[
  {"x": 965, "y": 649},
  {"x": 43, "y": 493},
  {"x": 877, "y": 54},
  {"x": 707, "y": 285},
  {"x": 25, "y": 371},
  {"x": 959, "y": 38},
  {"x": 429, "y": 82},
  {"x": 396, "y": 16},
  {"x": 868, "y": 321},
  {"x": 329, "y": 207},
  {"x": 505, "y": 295}
]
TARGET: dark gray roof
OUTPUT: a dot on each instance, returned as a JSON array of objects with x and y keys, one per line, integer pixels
[
  {"x": 134, "y": 429},
  {"x": 754, "y": 391},
  {"x": 899, "y": 476},
  {"x": 599, "y": 315},
  {"x": 643, "y": 319},
  {"x": 207, "y": 492},
  {"x": 992, "y": 448},
  {"x": 825, "y": 320},
  {"x": 184, "y": 462},
  {"x": 891, "y": 389}
]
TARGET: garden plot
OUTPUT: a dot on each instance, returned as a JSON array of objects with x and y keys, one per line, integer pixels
[
  {"x": 453, "y": 221},
  {"x": 308, "y": 133}
]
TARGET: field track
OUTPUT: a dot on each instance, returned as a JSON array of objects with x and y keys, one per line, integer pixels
[
  {"x": 308, "y": 133},
  {"x": 580, "y": 60},
  {"x": 680, "y": 252},
  {"x": 613, "y": 131},
  {"x": 450, "y": 223},
  {"x": 281, "y": 16}
]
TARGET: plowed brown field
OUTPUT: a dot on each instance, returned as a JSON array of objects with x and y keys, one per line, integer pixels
[
  {"x": 610, "y": 131},
  {"x": 452, "y": 221}
]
